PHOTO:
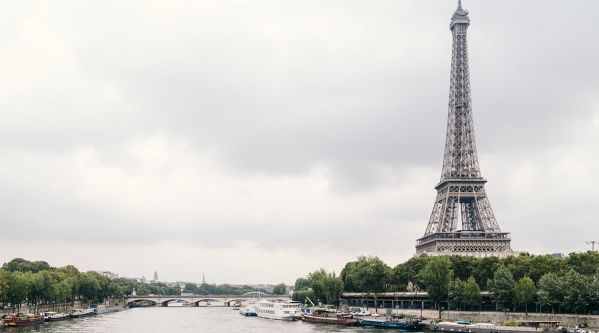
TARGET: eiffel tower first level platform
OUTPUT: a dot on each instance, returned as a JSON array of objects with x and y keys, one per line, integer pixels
[{"x": 462, "y": 221}]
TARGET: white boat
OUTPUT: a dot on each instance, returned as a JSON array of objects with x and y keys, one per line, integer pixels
[
  {"x": 248, "y": 309},
  {"x": 279, "y": 310},
  {"x": 54, "y": 316}
]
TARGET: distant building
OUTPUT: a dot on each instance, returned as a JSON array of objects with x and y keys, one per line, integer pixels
[{"x": 155, "y": 276}]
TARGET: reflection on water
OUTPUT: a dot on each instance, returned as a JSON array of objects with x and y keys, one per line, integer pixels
[{"x": 184, "y": 319}]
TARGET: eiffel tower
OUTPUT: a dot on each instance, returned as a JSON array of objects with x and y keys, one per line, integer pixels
[{"x": 462, "y": 221}]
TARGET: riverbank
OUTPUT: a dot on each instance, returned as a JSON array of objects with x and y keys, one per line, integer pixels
[
  {"x": 566, "y": 320},
  {"x": 111, "y": 305}
]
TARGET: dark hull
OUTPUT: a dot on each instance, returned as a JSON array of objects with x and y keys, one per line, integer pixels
[
  {"x": 17, "y": 322},
  {"x": 330, "y": 320},
  {"x": 80, "y": 315},
  {"x": 392, "y": 324},
  {"x": 58, "y": 318}
]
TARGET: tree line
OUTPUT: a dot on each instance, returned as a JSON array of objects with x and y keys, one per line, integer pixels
[
  {"x": 213, "y": 289},
  {"x": 36, "y": 283},
  {"x": 556, "y": 284}
]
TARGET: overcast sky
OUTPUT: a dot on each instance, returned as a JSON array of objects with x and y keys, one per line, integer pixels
[{"x": 256, "y": 141}]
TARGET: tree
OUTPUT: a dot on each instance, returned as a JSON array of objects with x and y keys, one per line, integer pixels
[
  {"x": 301, "y": 284},
  {"x": 18, "y": 288},
  {"x": 173, "y": 290},
  {"x": 367, "y": 274},
  {"x": 463, "y": 267},
  {"x": 541, "y": 265},
  {"x": 89, "y": 287},
  {"x": 575, "y": 291},
  {"x": 4, "y": 283},
  {"x": 502, "y": 285},
  {"x": 143, "y": 289},
  {"x": 408, "y": 272},
  {"x": 302, "y": 295},
  {"x": 326, "y": 287},
  {"x": 486, "y": 270},
  {"x": 519, "y": 265},
  {"x": 525, "y": 292},
  {"x": 584, "y": 263},
  {"x": 551, "y": 291},
  {"x": 456, "y": 290},
  {"x": 435, "y": 277},
  {"x": 594, "y": 291},
  {"x": 190, "y": 288},
  {"x": 279, "y": 289},
  {"x": 471, "y": 293}
]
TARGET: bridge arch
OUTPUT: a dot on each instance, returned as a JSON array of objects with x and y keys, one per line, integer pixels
[
  {"x": 141, "y": 302},
  {"x": 166, "y": 302}
]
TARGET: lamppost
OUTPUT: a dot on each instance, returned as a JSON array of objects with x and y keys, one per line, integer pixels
[{"x": 592, "y": 244}]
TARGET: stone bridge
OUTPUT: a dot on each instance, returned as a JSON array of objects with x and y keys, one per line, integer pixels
[{"x": 195, "y": 300}]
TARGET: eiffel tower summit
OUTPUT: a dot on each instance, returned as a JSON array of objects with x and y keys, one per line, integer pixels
[{"x": 462, "y": 221}]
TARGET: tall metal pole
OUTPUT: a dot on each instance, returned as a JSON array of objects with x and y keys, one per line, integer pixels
[{"x": 592, "y": 243}]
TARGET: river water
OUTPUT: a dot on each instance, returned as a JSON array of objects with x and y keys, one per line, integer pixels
[{"x": 184, "y": 319}]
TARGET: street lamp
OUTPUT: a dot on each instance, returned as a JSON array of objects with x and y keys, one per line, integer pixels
[{"x": 592, "y": 244}]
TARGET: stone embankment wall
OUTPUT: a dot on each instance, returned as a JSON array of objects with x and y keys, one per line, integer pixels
[
  {"x": 113, "y": 305},
  {"x": 566, "y": 320}
]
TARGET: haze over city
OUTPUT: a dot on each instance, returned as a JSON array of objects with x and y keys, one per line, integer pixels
[{"x": 258, "y": 141}]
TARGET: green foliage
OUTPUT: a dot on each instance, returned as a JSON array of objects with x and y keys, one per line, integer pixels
[
  {"x": 576, "y": 291},
  {"x": 301, "y": 284},
  {"x": 190, "y": 288},
  {"x": 594, "y": 291},
  {"x": 172, "y": 291},
  {"x": 302, "y": 295},
  {"x": 472, "y": 294},
  {"x": 22, "y": 265},
  {"x": 4, "y": 283},
  {"x": 435, "y": 278},
  {"x": 525, "y": 292},
  {"x": 279, "y": 289},
  {"x": 367, "y": 274},
  {"x": 35, "y": 282},
  {"x": 18, "y": 287},
  {"x": 463, "y": 267},
  {"x": 502, "y": 285},
  {"x": 325, "y": 287},
  {"x": 89, "y": 286},
  {"x": 456, "y": 290},
  {"x": 584, "y": 263},
  {"x": 541, "y": 265},
  {"x": 407, "y": 273},
  {"x": 486, "y": 270},
  {"x": 570, "y": 284},
  {"x": 551, "y": 290}
]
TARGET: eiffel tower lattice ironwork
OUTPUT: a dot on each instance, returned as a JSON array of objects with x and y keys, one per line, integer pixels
[{"x": 462, "y": 221}]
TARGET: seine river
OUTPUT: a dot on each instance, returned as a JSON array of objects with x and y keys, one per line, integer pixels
[{"x": 184, "y": 319}]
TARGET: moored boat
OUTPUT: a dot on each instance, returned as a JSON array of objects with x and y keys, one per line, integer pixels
[
  {"x": 100, "y": 310},
  {"x": 21, "y": 319},
  {"x": 393, "y": 323},
  {"x": 287, "y": 310},
  {"x": 54, "y": 316},
  {"x": 81, "y": 313},
  {"x": 248, "y": 310},
  {"x": 330, "y": 318}
]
